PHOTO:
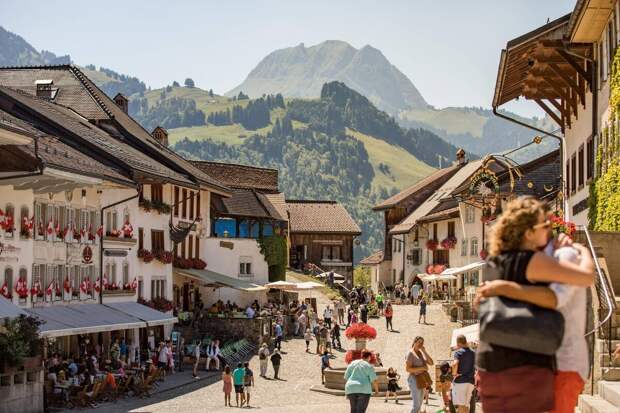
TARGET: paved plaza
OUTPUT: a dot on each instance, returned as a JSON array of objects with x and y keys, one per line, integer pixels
[{"x": 300, "y": 371}]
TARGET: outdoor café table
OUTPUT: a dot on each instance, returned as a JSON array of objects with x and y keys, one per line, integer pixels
[{"x": 64, "y": 389}]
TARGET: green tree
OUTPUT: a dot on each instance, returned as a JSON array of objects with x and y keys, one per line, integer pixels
[{"x": 189, "y": 83}]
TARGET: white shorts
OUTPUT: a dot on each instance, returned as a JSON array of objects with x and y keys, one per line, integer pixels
[
  {"x": 247, "y": 389},
  {"x": 461, "y": 393}
]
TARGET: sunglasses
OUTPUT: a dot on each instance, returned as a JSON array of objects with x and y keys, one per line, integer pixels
[{"x": 546, "y": 224}]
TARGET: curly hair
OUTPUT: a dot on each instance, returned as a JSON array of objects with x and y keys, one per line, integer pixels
[{"x": 519, "y": 215}]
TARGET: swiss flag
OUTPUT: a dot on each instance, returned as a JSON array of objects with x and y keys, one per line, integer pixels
[
  {"x": 50, "y": 227},
  {"x": 105, "y": 282},
  {"x": 5, "y": 290},
  {"x": 67, "y": 285},
  {"x": 134, "y": 284},
  {"x": 50, "y": 288},
  {"x": 84, "y": 286},
  {"x": 58, "y": 230},
  {"x": 100, "y": 232},
  {"x": 98, "y": 285}
]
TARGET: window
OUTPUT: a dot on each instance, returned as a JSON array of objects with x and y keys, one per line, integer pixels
[
  {"x": 176, "y": 201},
  {"x": 8, "y": 279},
  {"x": 183, "y": 248},
  {"x": 198, "y": 204},
  {"x": 590, "y": 159},
  {"x": 140, "y": 238},
  {"x": 125, "y": 273},
  {"x": 435, "y": 232},
  {"x": 245, "y": 266},
  {"x": 331, "y": 252},
  {"x": 573, "y": 176},
  {"x": 157, "y": 240},
  {"x": 183, "y": 203},
  {"x": 197, "y": 247},
  {"x": 76, "y": 276},
  {"x": 157, "y": 193},
  {"x": 394, "y": 245},
  {"x": 451, "y": 229},
  {"x": 474, "y": 247},
  {"x": 111, "y": 221},
  {"x": 190, "y": 246},
  {"x": 470, "y": 214},
  {"x": 23, "y": 218},
  {"x": 23, "y": 274},
  {"x": 474, "y": 278},
  {"x": 191, "y": 205},
  {"x": 400, "y": 245},
  {"x": 158, "y": 289},
  {"x": 601, "y": 65},
  {"x": 581, "y": 166},
  {"x": 416, "y": 255},
  {"x": 126, "y": 217},
  {"x": 567, "y": 179},
  {"x": 38, "y": 221},
  {"x": 140, "y": 288},
  {"x": 464, "y": 247}
]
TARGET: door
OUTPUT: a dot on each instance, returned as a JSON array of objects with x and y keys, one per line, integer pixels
[{"x": 185, "y": 297}]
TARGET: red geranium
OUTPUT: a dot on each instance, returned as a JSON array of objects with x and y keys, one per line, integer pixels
[
  {"x": 559, "y": 226},
  {"x": 360, "y": 331},
  {"x": 351, "y": 355},
  {"x": 431, "y": 244},
  {"x": 199, "y": 264},
  {"x": 448, "y": 243}
]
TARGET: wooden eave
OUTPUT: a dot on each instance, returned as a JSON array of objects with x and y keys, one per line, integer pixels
[
  {"x": 544, "y": 67},
  {"x": 589, "y": 19}
]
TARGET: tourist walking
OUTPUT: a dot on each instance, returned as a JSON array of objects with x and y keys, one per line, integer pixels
[
  {"x": 302, "y": 322},
  {"x": 248, "y": 382},
  {"x": 422, "y": 310},
  {"x": 415, "y": 292},
  {"x": 278, "y": 334},
  {"x": 364, "y": 313},
  {"x": 335, "y": 335},
  {"x": 360, "y": 379},
  {"x": 463, "y": 370},
  {"x": 417, "y": 362},
  {"x": 227, "y": 379},
  {"x": 196, "y": 360},
  {"x": 379, "y": 300},
  {"x": 515, "y": 246},
  {"x": 327, "y": 317},
  {"x": 308, "y": 339},
  {"x": 239, "y": 380},
  {"x": 263, "y": 358},
  {"x": 389, "y": 313},
  {"x": 276, "y": 359},
  {"x": 341, "y": 306}
]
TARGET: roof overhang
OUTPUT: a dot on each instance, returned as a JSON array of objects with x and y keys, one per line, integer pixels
[
  {"x": 52, "y": 180},
  {"x": 589, "y": 19},
  {"x": 545, "y": 67},
  {"x": 9, "y": 136}
]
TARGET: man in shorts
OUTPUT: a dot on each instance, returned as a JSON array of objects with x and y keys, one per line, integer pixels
[
  {"x": 238, "y": 382},
  {"x": 248, "y": 383},
  {"x": 463, "y": 371}
]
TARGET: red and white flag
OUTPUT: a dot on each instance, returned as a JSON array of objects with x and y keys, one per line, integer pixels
[
  {"x": 5, "y": 290},
  {"x": 50, "y": 288},
  {"x": 50, "y": 227},
  {"x": 84, "y": 286},
  {"x": 98, "y": 285},
  {"x": 134, "y": 284},
  {"x": 100, "y": 232},
  {"x": 67, "y": 285}
]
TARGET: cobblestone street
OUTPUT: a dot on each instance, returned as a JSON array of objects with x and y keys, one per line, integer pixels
[{"x": 301, "y": 370}]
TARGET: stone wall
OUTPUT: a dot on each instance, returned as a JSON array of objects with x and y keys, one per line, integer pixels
[
  {"x": 606, "y": 244},
  {"x": 256, "y": 330},
  {"x": 22, "y": 392}
]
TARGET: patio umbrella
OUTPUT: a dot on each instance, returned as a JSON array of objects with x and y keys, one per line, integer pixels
[
  {"x": 282, "y": 285},
  {"x": 446, "y": 277},
  {"x": 326, "y": 275},
  {"x": 430, "y": 277},
  {"x": 471, "y": 333}
]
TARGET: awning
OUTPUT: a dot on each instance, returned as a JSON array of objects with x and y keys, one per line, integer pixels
[
  {"x": 471, "y": 333},
  {"x": 469, "y": 267},
  {"x": 9, "y": 310},
  {"x": 145, "y": 313},
  {"x": 68, "y": 320},
  {"x": 212, "y": 278}
]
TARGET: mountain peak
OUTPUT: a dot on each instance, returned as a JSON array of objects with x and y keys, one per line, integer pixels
[{"x": 301, "y": 71}]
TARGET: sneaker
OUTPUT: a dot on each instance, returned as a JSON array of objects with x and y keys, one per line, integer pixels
[{"x": 386, "y": 400}]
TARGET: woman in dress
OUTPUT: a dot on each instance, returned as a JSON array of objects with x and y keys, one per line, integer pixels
[{"x": 227, "y": 379}]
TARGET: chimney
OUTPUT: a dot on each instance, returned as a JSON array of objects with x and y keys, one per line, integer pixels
[
  {"x": 460, "y": 156},
  {"x": 44, "y": 88},
  {"x": 161, "y": 135},
  {"x": 122, "y": 102}
]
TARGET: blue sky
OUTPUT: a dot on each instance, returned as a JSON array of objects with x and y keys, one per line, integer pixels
[{"x": 448, "y": 48}]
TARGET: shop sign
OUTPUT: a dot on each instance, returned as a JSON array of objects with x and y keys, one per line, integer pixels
[
  {"x": 87, "y": 255},
  {"x": 484, "y": 183}
]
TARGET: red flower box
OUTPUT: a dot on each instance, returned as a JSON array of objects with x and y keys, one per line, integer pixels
[
  {"x": 146, "y": 255},
  {"x": 448, "y": 243},
  {"x": 357, "y": 355},
  {"x": 165, "y": 257},
  {"x": 199, "y": 264},
  {"x": 361, "y": 331},
  {"x": 431, "y": 244}
]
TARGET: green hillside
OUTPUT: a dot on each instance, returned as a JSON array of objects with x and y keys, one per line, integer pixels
[{"x": 393, "y": 166}]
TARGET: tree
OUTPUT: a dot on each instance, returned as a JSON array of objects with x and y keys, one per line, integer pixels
[
  {"x": 175, "y": 84},
  {"x": 211, "y": 92},
  {"x": 189, "y": 83}
]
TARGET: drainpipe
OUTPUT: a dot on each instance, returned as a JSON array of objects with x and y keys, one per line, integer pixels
[{"x": 101, "y": 240}]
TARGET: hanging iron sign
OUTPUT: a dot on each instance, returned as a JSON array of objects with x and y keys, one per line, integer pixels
[{"x": 484, "y": 182}]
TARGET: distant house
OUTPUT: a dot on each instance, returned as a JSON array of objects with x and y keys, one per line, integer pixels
[{"x": 322, "y": 233}]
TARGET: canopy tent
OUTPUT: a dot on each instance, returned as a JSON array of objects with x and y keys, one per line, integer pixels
[
  {"x": 214, "y": 279},
  {"x": 9, "y": 310},
  {"x": 469, "y": 267},
  {"x": 326, "y": 276},
  {"x": 309, "y": 285},
  {"x": 471, "y": 333},
  {"x": 68, "y": 320},
  {"x": 282, "y": 285}
]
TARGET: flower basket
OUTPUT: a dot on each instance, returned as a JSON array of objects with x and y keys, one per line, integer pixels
[
  {"x": 448, "y": 243},
  {"x": 199, "y": 264},
  {"x": 487, "y": 215},
  {"x": 145, "y": 204},
  {"x": 114, "y": 233},
  {"x": 431, "y": 244},
  {"x": 183, "y": 263},
  {"x": 360, "y": 331},
  {"x": 483, "y": 254},
  {"x": 145, "y": 255},
  {"x": 165, "y": 257},
  {"x": 559, "y": 226}
]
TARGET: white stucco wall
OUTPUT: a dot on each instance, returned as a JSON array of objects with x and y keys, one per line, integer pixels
[{"x": 226, "y": 261}]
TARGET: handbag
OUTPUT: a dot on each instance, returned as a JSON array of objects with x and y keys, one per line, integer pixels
[
  {"x": 521, "y": 326},
  {"x": 423, "y": 380}
]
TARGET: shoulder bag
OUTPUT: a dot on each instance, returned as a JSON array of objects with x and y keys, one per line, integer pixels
[{"x": 521, "y": 326}]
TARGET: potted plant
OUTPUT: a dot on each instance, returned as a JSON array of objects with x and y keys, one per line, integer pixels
[
  {"x": 199, "y": 264},
  {"x": 448, "y": 243},
  {"x": 165, "y": 257},
  {"x": 361, "y": 333},
  {"x": 146, "y": 255},
  {"x": 560, "y": 226},
  {"x": 431, "y": 244}
]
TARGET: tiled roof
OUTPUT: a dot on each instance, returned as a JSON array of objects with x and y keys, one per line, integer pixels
[
  {"x": 373, "y": 259},
  {"x": 240, "y": 176},
  {"x": 279, "y": 203},
  {"x": 440, "y": 215},
  {"x": 320, "y": 217},
  {"x": 54, "y": 153},
  {"x": 91, "y": 138},
  {"x": 77, "y": 91},
  {"x": 247, "y": 203},
  {"x": 434, "y": 180}
]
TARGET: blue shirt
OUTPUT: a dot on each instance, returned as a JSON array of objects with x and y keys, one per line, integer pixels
[
  {"x": 278, "y": 330},
  {"x": 359, "y": 376},
  {"x": 465, "y": 372}
]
